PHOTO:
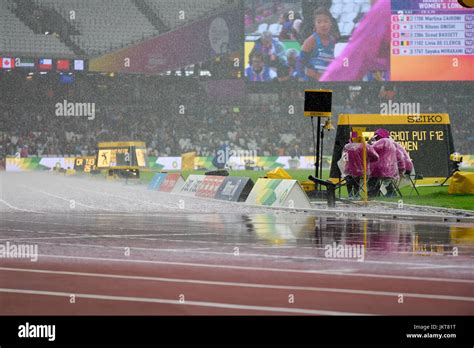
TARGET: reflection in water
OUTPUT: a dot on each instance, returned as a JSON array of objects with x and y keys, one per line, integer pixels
[
  {"x": 280, "y": 229},
  {"x": 385, "y": 236}
]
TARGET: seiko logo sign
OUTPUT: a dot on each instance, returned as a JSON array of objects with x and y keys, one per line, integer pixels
[{"x": 425, "y": 119}]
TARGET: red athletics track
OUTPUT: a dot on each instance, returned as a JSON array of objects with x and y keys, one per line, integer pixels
[{"x": 105, "y": 282}]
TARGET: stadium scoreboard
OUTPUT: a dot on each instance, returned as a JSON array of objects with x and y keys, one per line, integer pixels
[
  {"x": 121, "y": 155},
  {"x": 426, "y": 137},
  {"x": 317, "y": 103},
  {"x": 84, "y": 164}
]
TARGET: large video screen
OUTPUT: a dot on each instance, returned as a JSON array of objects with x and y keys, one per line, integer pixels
[
  {"x": 431, "y": 40},
  {"x": 358, "y": 40}
]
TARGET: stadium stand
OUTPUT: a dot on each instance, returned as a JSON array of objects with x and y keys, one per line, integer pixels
[
  {"x": 169, "y": 11},
  {"x": 265, "y": 15},
  {"x": 139, "y": 108},
  {"x": 16, "y": 38},
  {"x": 103, "y": 25},
  {"x": 348, "y": 13}
]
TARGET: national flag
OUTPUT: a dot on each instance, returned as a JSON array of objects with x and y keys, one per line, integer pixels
[
  {"x": 62, "y": 64},
  {"x": 402, "y": 34},
  {"x": 7, "y": 63},
  {"x": 45, "y": 64},
  {"x": 405, "y": 43}
]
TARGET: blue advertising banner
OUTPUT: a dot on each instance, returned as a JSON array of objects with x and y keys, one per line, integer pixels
[{"x": 157, "y": 180}]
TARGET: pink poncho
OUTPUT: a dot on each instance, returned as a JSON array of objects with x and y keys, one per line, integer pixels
[
  {"x": 387, "y": 165},
  {"x": 403, "y": 160},
  {"x": 352, "y": 162}
]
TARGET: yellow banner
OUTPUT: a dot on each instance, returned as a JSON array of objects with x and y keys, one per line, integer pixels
[
  {"x": 370, "y": 119},
  {"x": 121, "y": 144}
]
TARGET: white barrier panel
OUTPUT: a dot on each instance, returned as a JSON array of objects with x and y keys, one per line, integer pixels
[
  {"x": 278, "y": 193},
  {"x": 169, "y": 163},
  {"x": 191, "y": 185},
  {"x": 64, "y": 162}
]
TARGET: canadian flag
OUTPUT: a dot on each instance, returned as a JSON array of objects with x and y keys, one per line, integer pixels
[{"x": 7, "y": 63}]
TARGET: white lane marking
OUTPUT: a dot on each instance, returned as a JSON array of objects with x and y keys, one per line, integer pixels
[
  {"x": 129, "y": 198},
  {"x": 19, "y": 209},
  {"x": 95, "y": 226},
  {"x": 435, "y": 267},
  {"x": 280, "y": 247},
  {"x": 118, "y": 236},
  {"x": 76, "y": 202},
  {"x": 176, "y": 302},
  {"x": 48, "y": 238},
  {"x": 104, "y": 193},
  {"x": 130, "y": 236},
  {"x": 65, "y": 199},
  {"x": 286, "y": 257},
  {"x": 249, "y": 268},
  {"x": 245, "y": 285},
  {"x": 160, "y": 234},
  {"x": 39, "y": 232}
]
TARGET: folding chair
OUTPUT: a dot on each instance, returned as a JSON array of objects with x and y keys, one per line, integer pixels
[
  {"x": 412, "y": 179},
  {"x": 384, "y": 186}
]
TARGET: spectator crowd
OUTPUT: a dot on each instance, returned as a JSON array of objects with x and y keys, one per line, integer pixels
[{"x": 176, "y": 116}]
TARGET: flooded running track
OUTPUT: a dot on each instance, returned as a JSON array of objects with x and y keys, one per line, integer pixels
[{"x": 111, "y": 243}]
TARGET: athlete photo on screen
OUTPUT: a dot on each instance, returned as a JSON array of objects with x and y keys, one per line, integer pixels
[{"x": 318, "y": 49}]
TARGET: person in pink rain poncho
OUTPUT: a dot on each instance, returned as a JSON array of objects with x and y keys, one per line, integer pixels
[
  {"x": 351, "y": 165},
  {"x": 393, "y": 161},
  {"x": 386, "y": 162},
  {"x": 405, "y": 165}
]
